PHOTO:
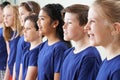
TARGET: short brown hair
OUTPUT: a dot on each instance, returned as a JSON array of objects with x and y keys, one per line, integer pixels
[{"x": 80, "y": 10}]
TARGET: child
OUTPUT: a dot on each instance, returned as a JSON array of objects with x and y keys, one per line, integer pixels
[
  {"x": 28, "y": 68},
  {"x": 50, "y": 56},
  {"x": 81, "y": 62},
  {"x": 12, "y": 29},
  {"x": 3, "y": 49},
  {"x": 25, "y": 9},
  {"x": 104, "y": 30}
]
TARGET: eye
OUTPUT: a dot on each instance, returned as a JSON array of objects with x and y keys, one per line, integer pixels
[
  {"x": 69, "y": 22},
  {"x": 9, "y": 15},
  {"x": 91, "y": 21},
  {"x": 42, "y": 18},
  {"x": 27, "y": 28}
]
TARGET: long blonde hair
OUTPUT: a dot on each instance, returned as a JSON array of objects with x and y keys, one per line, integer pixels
[{"x": 7, "y": 32}]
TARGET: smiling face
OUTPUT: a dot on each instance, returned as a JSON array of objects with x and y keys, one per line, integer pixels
[
  {"x": 44, "y": 23},
  {"x": 8, "y": 16},
  {"x": 72, "y": 28},
  {"x": 98, "y": 28}
]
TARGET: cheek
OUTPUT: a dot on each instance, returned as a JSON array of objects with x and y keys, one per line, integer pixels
[
  {"x": 27, "y": 36},
  {"x": 12, "y": 23},
  {"x": 11, "y": 20},
  {"x": 68, "y": 34}
]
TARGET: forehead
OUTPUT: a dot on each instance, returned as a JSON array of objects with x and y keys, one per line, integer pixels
[
  {"x": 72, "y": 17},
  {"x": 22, "y": 8},
  {"x": 28, "y": 23},
  {"x": 8, "y": 10},
  {"x": 95, "y": 13},
  {"x": 69, "y": 15},
  {"x": 43, "y": 13},
  {"x": 97, "y": 10}
]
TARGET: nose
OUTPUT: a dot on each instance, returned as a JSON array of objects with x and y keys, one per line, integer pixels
[
  {"x": 87, "y": 27},
  {"x": 38, "y": 21},
  {"x": 24, "y": 30},
  {"x": 64, "y": 26}
]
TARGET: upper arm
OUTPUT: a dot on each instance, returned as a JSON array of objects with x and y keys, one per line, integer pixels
[
  {"x": 58, "y": 59},
  {"x": 56, "y": 76},
  {"x": 14, "y": 73},
  {"x": 20, "y": 74},
  {"x": 31, "y": 73}
]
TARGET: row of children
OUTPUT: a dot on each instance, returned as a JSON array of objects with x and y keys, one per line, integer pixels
[{"x": 29, "y": 58}]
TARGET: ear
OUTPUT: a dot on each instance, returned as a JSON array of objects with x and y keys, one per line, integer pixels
[
  {"x": 55, "y": 23},
  {"x": 116, "y": 27}
]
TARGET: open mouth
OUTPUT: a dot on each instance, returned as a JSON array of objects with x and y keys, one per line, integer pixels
[{"x": 91, "y": 36}]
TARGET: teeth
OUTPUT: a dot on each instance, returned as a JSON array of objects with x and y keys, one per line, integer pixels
[{"x": 91, "y": 36}]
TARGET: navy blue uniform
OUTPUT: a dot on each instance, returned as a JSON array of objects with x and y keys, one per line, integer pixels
[
  {"x": 20, "y": 46},
  {"x": 50, "y": 60},
  {"x": 81, "y": 66},
  {"x": 110, "y": 69},
  {"x": 29, "y": 58}
]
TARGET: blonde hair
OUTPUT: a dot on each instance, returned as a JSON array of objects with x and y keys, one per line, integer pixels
[
  {"x": 7, "y": 32},
  {"x": 110, "y": 9}
]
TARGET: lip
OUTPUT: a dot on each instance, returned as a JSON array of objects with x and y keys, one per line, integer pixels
[
  {"x": 25, "y": 35},
  {"x": 5, "y": 22},
  {"x": 40, "y": 29},
  {"x": 91, "y": 36},
  {"x": 65, "y": 32}
]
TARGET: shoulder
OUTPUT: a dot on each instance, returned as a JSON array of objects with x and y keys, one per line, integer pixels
[
  {"x": 91, "y": 52},
  {"x": 115, "y": 63},
  {"x": 91, "y": 49},
  {"x": 60, "y": 45}
]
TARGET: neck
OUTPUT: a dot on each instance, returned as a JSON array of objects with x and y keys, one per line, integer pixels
[
  {"x": 35, "y": 43},
  {"x": 113, "y": 50},
  {"x": 52, "y": 39},
  {"x": 81, "y": 44}
]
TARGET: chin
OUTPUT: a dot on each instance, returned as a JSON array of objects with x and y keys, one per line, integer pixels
[
  {"x": 93, "y": 44},
  {"x": 66, "y": 39},
  {"x": 25, "y": 40}
]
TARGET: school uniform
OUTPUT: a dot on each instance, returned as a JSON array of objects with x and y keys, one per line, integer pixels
[
  {"x": 110, "y": 69},
  {"x": 13, "y": 50},
  {"x": 20, "y": 46},
  {"x": 50, "y": 60},
  {"x": 29, "y": 58},
  {"x": 83, "y": 65},
  {"x": 3, "y": 54}
]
